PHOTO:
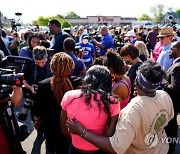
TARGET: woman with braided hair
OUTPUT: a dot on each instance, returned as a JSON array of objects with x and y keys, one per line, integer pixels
[
  {"x": 121, "y": 83},
  {"x": 47, "y": 107},
  {"x": 61, "y": 67}
]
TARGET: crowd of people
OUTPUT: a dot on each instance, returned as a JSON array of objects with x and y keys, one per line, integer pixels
[{"x": 97, "y": 90}]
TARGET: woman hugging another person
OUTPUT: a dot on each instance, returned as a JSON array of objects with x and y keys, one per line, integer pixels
[{"x": 94, "y": 106}]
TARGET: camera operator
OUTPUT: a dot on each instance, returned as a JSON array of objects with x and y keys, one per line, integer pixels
[
  {"x": 16, "y": 96},
  {"x": 3, "y": 45},
  {"x": 38, "y": 71},
  {"x": 14, "y": 44},
  {"x": 9, "y": 143},
  {"x": 107, "y": 41}
]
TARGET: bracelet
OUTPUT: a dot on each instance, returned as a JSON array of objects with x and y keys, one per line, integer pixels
[
  {"x": 85, "y": 135},
  {"x": 82, "y": 134}
]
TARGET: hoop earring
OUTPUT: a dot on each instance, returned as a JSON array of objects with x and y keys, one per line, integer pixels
[{"x": 113, "y": 77}]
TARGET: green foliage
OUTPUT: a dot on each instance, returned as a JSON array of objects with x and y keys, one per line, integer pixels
[
  {"x": 145, "y": 17},
  {"x": 43, "y": 21},
  {"x": 34, "y": 22},
  {"x": 60, "y": 16},
  {"x": 158, "y": 12},
  {"x": 57, "y": 18},
  {"x": 72, "y": 15},
  {"x": 178, "y": 12},
  {"x": 65, "y": 24}
]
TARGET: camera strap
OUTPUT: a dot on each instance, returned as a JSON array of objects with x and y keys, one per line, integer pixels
[
  {"x": 6, "y": 126},
  {"x": 5, "y": 100},
  {"x": 47, "y": 71},
  {"x": 10, "y": 127}
]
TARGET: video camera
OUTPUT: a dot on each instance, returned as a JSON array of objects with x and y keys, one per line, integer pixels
[
  {"x": 10, "y": 71},
  {"x": 10, "y": 74},
  {"x": 14, "y": 23},
  {"x": 96, "y": 36},
  {"x": 8, "y": 77},
  {"x": 46, "y": 44},
  {"x": 50, "y": 52},
  {"x": 78, "y": 50}
]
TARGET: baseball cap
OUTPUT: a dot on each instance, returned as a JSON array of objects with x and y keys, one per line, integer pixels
[
  {"x": 85, "y": 36},
  {"x": 130, "y": 33}
]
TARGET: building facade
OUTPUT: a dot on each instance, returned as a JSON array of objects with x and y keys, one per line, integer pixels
[{"x": 102, "y": 20}]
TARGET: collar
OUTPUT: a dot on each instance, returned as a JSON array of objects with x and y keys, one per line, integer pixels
[
  {"x": 70, "y": 53},
  {"x": 175, "y": 60},
  {"x": 167, "y": 46},
  {"x": 58, "y": 33}
]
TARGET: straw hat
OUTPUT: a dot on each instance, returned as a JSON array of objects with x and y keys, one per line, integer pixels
[{"x": 166, "y": 31}]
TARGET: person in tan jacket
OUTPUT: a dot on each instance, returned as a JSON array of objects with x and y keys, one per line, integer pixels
[{"x": 140, "y": 126}]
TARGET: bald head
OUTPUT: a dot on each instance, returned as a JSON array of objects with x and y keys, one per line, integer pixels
[
  {"x": 104, "y": 30},
  {"x": 176, "y": 44},
  {"x": 175, "y": 50}
]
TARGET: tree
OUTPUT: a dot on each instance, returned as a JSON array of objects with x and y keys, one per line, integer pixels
[
  {"x": 34, "y": 22},
  {"x": 43, "y": 21},
  {"x": 170, "y": 9},
  {"x": 57, "y": 18},
  {"x": 72, "y": 15},
  {"x": 158, "y": 12},
  {"x": 178, "y": 13},
  {"x": 60, "y": 16},
  {"x": 66, "y": 24},
  {"x": 145, "y": 17}
]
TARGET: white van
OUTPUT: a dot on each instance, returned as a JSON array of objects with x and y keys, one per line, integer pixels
[{"x": 144, "y": 23}]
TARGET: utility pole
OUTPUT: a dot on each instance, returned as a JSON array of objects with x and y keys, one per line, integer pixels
[{"x": 1, "y": 20}]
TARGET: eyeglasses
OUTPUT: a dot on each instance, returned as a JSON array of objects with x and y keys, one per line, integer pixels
[{"x": 164, "y": 37}]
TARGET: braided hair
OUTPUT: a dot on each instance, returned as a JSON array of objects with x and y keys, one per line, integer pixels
[
  {"x": 62, "y": 65},
  {"x": 115, "y": 62}
]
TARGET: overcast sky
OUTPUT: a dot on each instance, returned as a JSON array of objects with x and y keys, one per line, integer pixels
[{"x": 32, "y": 9}]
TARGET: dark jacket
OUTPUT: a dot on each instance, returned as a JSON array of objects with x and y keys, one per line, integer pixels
[{"x": 172, "y": 85}]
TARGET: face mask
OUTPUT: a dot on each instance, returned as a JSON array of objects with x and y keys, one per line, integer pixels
[{"x": 85, "y": 41}]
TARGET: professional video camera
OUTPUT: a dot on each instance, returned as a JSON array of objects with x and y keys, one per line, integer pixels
[
  {"x": 172, "y": 22},
  {"x": 46, "y": 44},
  {"x": 8, "y": 77},
  {"x": 96, "y": 35},
  {"x": 14, "y": 23},
  {"x": 10, "y": 74},
  {"x": 78, "y": 50},
  {"x": 50, "y": 52}
]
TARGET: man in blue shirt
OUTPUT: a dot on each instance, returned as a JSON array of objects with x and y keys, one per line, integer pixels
[
  {"x": 107, "y": 41},
  {"x": 69, "y": 46},
  {"x": 88, "y": 50},
  {"x": 166, "y": 35}
]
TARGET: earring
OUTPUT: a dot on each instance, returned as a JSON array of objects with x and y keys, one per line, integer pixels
[{"x": 113, "y": 77}]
